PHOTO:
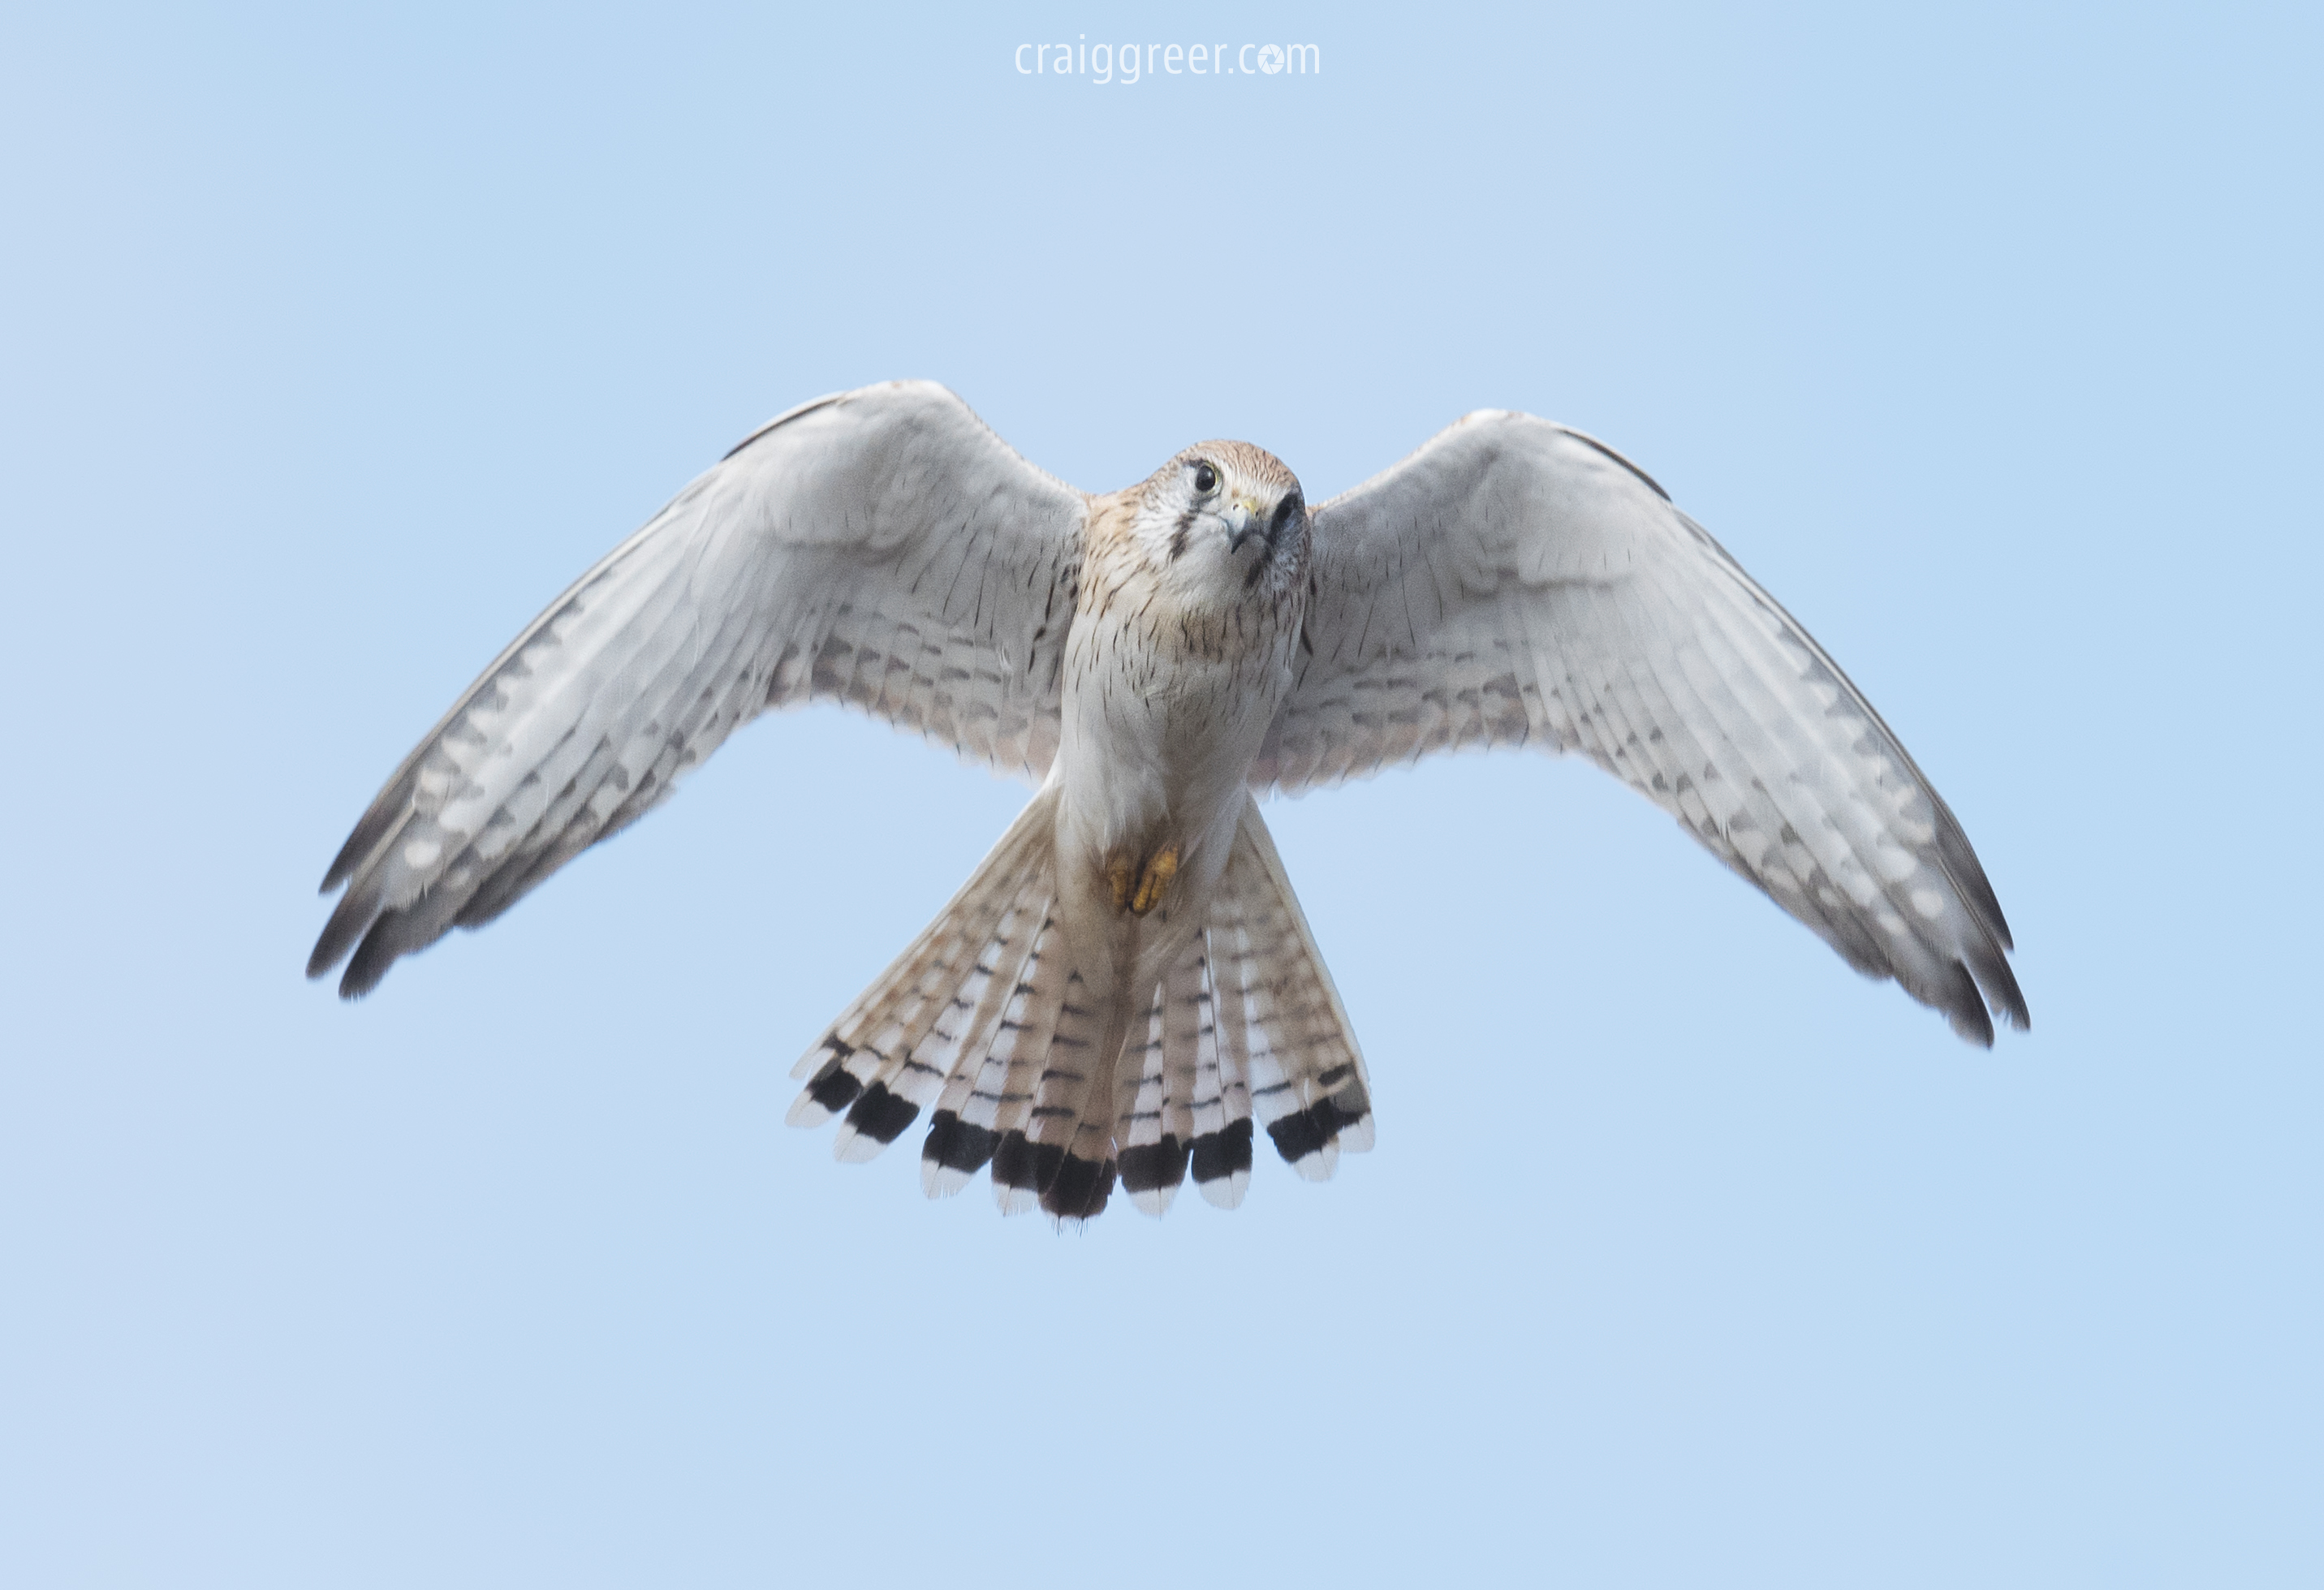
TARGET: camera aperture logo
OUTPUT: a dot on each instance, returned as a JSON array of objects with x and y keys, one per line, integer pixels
[{"x": 1123, "y": 64}]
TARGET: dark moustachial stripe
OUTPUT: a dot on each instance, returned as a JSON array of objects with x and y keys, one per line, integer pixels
[
  {"x": 1284, "y": 510},
  {"x": 957, "y": 1144},
  {"x": 1222, "y": 1153},
  {"x": 1154, "y": 1165},
  {"x": 1179, "y": 535},
  {"x": 880, "y": 1115},
  {"x": 1019, "y": 1162}
]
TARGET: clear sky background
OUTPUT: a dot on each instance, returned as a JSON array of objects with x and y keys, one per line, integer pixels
[{"x": 331, "y": 348}]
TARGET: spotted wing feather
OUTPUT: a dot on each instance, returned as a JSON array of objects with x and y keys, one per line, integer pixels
[
  {"x": 1515, "y": 583},
  {"x": 880, "y": 548}
]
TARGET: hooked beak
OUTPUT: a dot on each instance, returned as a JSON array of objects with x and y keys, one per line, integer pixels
[{"x": 1243, "y": 521}]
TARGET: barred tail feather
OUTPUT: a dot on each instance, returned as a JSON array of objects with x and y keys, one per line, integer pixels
[
  {"x": 1280, "y": 1009},
  {"x": 860, "y": 1064},
  {"x": 950, "y": 1024},
  {"x": 1219, "y": 1154},
  {"x": 961, "y": 1139},
  {"x": 1070, "y": 1127},
  {"x": 1020, "y": 1166},
  {"x": 1155, "y": 1132},
  {"x": 985, "y": 1019},
  {"x": 985, "y": 1101}
]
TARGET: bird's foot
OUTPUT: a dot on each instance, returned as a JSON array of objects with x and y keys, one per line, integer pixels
[
  {"x": 1152, "y": 881},
  {"x": 1160, "y": 869}
]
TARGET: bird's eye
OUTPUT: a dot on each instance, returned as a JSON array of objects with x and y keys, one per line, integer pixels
[{"x": 1207, "y": 479}]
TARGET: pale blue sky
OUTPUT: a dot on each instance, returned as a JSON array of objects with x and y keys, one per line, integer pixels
[{"x": 331, "y": 348}]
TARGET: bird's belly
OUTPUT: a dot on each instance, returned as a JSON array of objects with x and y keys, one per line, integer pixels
[
  {"x": 1152, "y": 767},
  {"x": 1163, "y": 763}
]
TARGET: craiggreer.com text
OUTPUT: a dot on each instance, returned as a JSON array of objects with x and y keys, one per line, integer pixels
[{"x": 1123, "y": 64}]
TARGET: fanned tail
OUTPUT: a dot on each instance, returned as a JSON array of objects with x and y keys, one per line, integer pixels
[{"x": 985, "y": 1019}]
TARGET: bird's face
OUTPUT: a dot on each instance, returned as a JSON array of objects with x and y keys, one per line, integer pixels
[{"x": 1225, "y": 522}]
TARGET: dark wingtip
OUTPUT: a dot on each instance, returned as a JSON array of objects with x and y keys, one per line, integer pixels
[
  {"x": 369, "y": 828},
  {"x": 364, "y": 972},
  {"x": 1964, "y": 1006},
  {"x": 2002, "y": 993},
  {"x": 1967, "y": 873},
  {"x": 350, "y": 926},
  {"x": 2013, "y": 1013},
  {"x": 2012, "y": 1001},
  {"x": 343, "y": 865},
  {"x": 371, "y": 960}
]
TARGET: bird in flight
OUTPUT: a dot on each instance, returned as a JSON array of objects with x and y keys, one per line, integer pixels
[{"x": 1126, "y": 983}]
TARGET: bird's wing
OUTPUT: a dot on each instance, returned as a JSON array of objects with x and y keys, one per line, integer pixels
[
  {"x": 880, "y": 548},
  {"x": 1517, "y": 582}
]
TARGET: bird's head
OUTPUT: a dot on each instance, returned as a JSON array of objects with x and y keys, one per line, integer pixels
[{"x": 1224, "y": 519}]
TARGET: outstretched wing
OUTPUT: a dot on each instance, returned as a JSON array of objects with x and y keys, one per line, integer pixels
[
  {"x": 880, "y": 548},
  {"x": 1517, "y": 582}
]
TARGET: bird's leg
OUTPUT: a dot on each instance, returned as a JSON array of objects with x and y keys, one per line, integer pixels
[{"x": 1151, "y": 880}]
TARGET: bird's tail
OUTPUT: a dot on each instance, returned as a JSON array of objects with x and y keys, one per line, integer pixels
[{"x": 984, "y": 1019}]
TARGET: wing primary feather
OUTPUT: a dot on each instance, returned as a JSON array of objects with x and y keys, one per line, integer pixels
[
  {"x": 828, "y": 555},
  {"x": 1540, "y": 587},
  {"x": 1843, "y": 861}
]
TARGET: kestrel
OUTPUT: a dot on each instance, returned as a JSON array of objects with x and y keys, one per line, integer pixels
[{"x": 1126, "y": 982}]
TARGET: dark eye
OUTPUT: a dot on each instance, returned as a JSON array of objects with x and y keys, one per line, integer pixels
[{"x": 1207, "y": 479}]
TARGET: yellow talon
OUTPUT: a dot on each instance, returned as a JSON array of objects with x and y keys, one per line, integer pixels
[
  {"x": 1155, "y": 883},
  {"x": 1117, "y": 878}
]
